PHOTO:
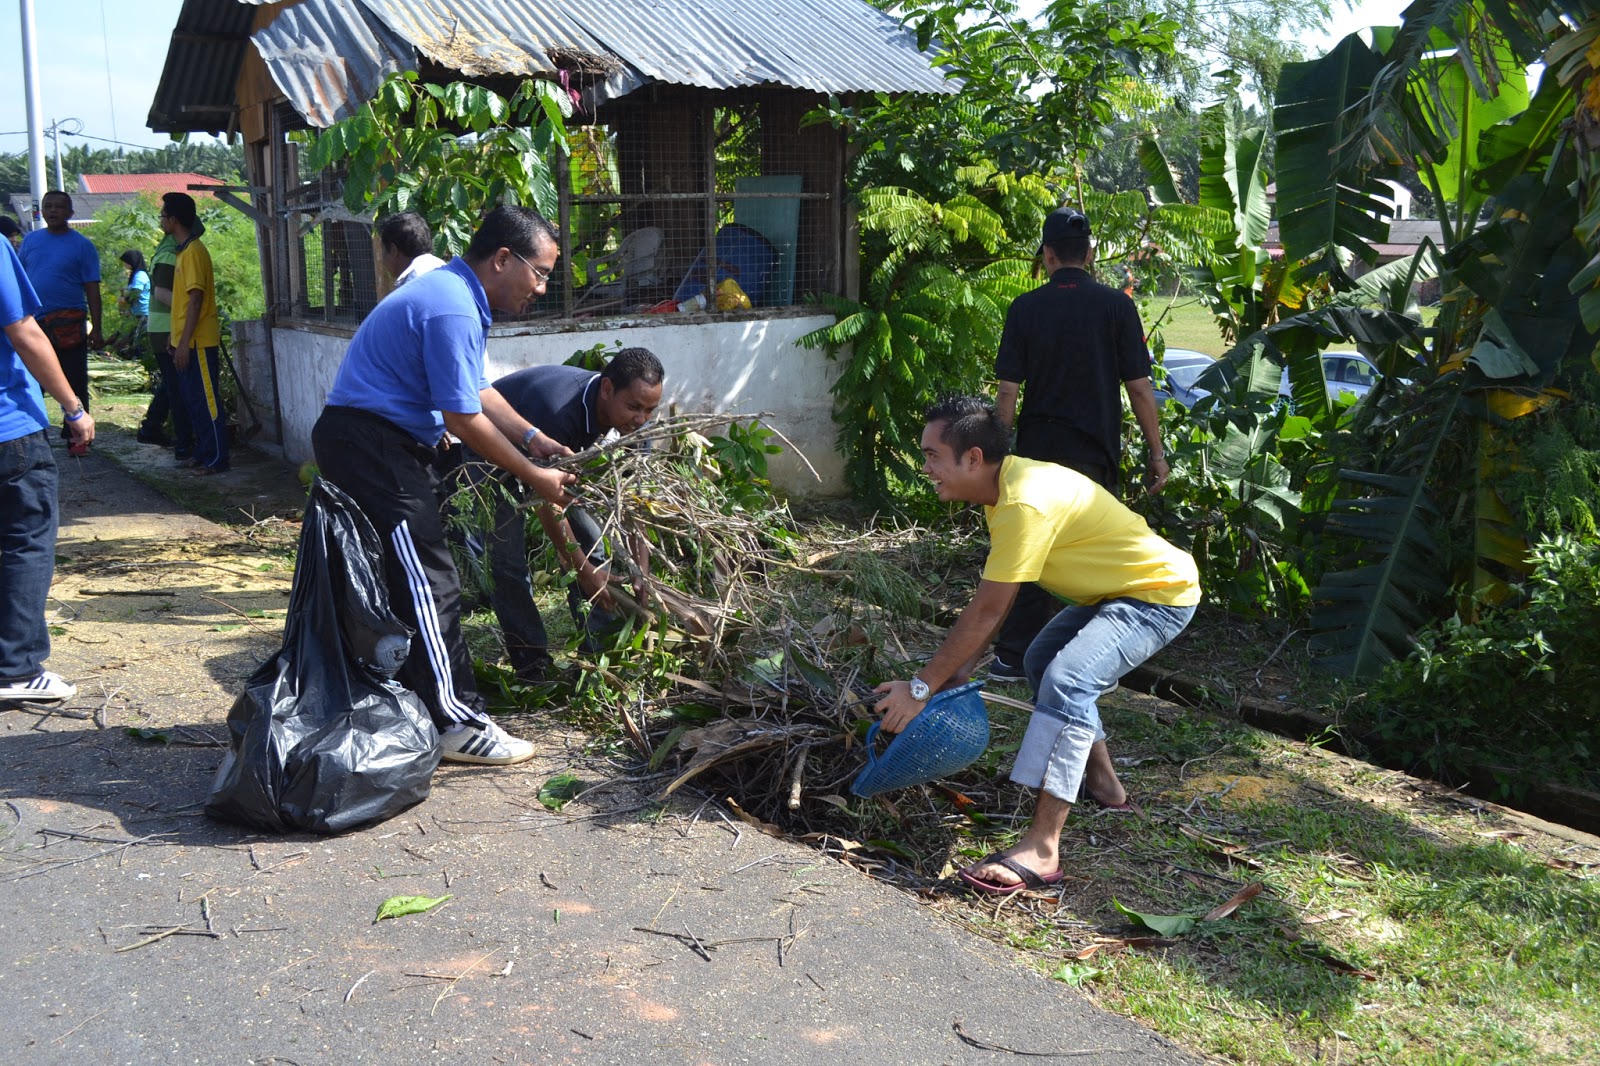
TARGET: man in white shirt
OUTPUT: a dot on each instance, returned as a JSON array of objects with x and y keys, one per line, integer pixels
[{"x": 407, "y": 247}]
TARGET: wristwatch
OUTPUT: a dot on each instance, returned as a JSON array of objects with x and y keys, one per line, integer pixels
[{"x": 919, "y": 689}]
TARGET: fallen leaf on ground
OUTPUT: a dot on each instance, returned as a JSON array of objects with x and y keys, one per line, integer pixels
[
  {"x": 395, "y": 906},
  {"x": 750, "y": 819},
  {"x": 1165, "y": 924},
  {"x": 559, "y": 790},
  {"x": 1240, "y": 898}
]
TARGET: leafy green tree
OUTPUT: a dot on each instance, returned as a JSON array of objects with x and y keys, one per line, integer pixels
[
  {"x": 1035, "y": 94},
  {"x": 953, "y": 191},
  {"x": 448, "y": 152},
  {"x": 1447, "y": 92},
  {"x": 1252, "y": 37}
]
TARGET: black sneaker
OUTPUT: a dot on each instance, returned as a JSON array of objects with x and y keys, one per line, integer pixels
[
  {"x": 157, "y": 438},
  {"x": 1000, "y": 670}
]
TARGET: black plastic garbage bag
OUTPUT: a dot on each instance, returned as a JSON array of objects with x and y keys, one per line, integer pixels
[{"x": 322, "y": 739}]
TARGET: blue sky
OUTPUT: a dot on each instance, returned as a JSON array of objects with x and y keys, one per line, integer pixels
[
  {"x": 75, "y": 78},
  {"x": 111, "y": 96}
]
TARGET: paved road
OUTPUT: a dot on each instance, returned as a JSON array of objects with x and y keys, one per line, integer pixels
[{"x": 569, "y": 937}]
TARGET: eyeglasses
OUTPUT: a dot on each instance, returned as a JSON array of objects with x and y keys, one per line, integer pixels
[{"x": 543, "y": 276}]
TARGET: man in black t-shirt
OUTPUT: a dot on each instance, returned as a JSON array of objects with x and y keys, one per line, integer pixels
[
  {"x": 575, "y": 407},
  {"x": 1076, "y": 344}
]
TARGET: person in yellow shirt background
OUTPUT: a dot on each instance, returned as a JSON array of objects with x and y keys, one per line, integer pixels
[
  {"x": 1132, "y": 594},
  {"x": 196, "y": 335}
]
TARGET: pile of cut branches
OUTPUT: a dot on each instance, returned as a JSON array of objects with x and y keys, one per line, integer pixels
[{"x": 781, "y": 636}]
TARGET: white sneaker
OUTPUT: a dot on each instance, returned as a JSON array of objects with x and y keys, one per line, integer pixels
[
  {"x": 488, "y": 744},
  {"x": 46, "y": 688}
]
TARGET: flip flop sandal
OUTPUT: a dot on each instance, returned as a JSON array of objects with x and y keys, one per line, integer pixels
[{"x": 1030, "y": 879}]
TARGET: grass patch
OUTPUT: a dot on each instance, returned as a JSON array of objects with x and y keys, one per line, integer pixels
[
  {"x": 1184, "y": 322},
  {"x": 1395, "y": 925}
]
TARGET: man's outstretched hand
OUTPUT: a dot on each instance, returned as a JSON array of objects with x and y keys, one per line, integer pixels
[{"x": 897, "y": 706}]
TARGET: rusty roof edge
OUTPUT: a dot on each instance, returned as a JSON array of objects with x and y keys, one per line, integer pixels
[{"x": 327, "y": 63}]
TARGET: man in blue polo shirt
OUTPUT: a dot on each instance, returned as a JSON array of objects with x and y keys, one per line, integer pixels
[
  {"x": 413, "y": 371},
  {"x": 28, "y": 510},
  {"x": 574, "y": 407},
  {"x": 64, "y": 268}
]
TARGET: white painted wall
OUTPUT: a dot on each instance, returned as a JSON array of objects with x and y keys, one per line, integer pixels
[{"x": 741, "y": 367}]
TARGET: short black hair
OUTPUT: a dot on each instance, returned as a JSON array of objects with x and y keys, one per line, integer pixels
[
  {"x": 9, "y": 226},
  {"x": 56, "y": 192},
  {"x": 970, "y": 422},
  {"x": 134, "y": 258},
  {"x": 1072, "y": 251},
  {"x": 179, "y": 206},
  {"x": 633, "y": 364},
  {"x": 521, "y": 229},
  {"x": 407, "y": 232}
]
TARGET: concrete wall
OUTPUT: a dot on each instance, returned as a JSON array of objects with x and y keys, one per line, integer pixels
[{"x": 742, "y": 367}]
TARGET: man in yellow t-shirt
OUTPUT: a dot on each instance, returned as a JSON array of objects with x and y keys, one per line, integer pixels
[
  {"x": 196, "y": 335},
  {"x": 1132, "y": 591}
]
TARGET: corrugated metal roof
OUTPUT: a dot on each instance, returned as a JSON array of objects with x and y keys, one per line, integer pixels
[
  {"x": 196, "y": 91},
  {"x": 329, "y": 55}
]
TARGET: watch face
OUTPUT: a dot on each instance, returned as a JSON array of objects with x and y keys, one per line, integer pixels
[{"x": 919, "y": 689}]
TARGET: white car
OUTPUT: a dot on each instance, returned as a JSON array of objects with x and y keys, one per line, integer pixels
[
  {"x": 1343, "y": 372},
  {"x": 1181, "y": 367}
]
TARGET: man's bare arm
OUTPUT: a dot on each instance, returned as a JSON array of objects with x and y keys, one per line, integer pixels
[
  {"x": 1005, "y": 402},
  {"x": 91, "y": 294},
  {"x": 956, "y": 657},
  {"x": 594, "y": 582},
  {"x": 30, "y": 343},
  {"x": 514, "y": 427},
  {"x": 1143, "y": 400},
  {"x": 477, "y": 432}
]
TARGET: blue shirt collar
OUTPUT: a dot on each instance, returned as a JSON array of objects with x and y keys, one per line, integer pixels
[{"x": 460, "y": 266}]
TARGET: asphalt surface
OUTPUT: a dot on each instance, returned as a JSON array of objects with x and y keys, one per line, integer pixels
[{"x": 612, "y": 932}]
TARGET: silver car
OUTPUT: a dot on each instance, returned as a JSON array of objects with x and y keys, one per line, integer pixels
[
  {"x": 1344, "y": 372},
  {"x": 1179, "y": 369}
]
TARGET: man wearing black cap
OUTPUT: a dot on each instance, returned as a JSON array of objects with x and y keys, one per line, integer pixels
[{"x": 1073, "y": 341}]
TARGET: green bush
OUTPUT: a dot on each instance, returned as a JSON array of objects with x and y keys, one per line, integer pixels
[{"x": 1516, "y": 686}]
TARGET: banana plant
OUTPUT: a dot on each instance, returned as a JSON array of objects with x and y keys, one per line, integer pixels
[{"x": 1447, "y": 91}]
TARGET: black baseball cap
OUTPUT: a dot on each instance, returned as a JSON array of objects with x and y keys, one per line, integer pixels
[{"x": 1062, "y": 223}]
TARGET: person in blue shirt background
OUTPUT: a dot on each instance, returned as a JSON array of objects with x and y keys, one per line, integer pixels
[
  {"x": 28, "y": 507},
  {"x": 134, "y": 298},
  {"x": 64, "y": 268}
]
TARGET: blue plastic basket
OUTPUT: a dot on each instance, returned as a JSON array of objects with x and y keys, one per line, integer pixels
[{"x": 949, "y": 735}]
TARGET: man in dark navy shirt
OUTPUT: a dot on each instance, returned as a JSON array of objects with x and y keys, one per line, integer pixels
[
  {"x": 574, "y": 407},
  {"x": 1076, "y": 344}
]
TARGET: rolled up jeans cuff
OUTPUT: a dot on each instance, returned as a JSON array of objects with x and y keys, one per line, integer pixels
[{"x": 1053, "y": 755}]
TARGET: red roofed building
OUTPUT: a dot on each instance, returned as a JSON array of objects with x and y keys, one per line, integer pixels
[{"x": 137, "y": 183}]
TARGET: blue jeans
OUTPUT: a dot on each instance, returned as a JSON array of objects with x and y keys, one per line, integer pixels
[
  {"x": 28, "y": 517},
  {"x": 1077, "y": 656}
]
